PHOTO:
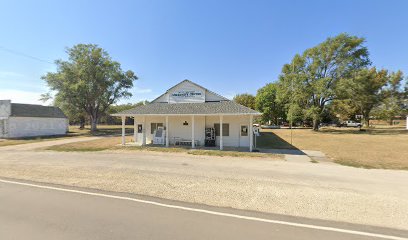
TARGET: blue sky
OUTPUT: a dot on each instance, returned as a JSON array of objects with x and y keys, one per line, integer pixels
[{"x": 229, "y": 47}]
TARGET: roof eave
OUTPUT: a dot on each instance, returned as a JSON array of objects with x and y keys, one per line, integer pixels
[{"x": 182, "y": 114}]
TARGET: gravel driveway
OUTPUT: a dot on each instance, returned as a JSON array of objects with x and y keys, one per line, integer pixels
[{"x": 323, "y": 191}]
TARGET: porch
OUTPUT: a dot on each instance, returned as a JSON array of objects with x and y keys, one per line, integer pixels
[{"x": 189, "y": 130}]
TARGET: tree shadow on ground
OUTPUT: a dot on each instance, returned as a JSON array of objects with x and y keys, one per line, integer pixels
[
  {"x": 270, "y": 142},
  {"x": 369, "y": 131}
]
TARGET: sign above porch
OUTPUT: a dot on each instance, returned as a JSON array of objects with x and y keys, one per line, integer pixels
[
  {"x": 186, "y": 95},
  {"x": 188, "y": 92}
]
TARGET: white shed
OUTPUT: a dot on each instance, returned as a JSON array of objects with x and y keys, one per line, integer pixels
[{"x": 28, "y": 120}]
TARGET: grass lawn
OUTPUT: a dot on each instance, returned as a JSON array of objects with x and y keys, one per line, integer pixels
[
  {"x": 380, "y": 147},
  {"x": 74, "y": 131},
  {"x": 112, "y": 143},
  {"x": 17, "y": 141}
]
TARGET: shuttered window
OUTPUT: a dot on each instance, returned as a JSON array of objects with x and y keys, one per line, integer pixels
[{"x": 225, "y": 129}]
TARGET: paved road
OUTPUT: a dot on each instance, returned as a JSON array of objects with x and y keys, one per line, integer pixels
[
  {"x": 28, "y": 212},
  {"x": 317, "y": 191}
]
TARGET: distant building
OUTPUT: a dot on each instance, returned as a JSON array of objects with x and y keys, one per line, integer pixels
[
  {"x": 189, "y": 114},
  {"x": 27, "y": 120}
]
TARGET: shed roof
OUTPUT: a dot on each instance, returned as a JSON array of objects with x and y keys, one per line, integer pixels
[
  {"x": 31, "y": 110},
  {"x": 206, "y": 108}
]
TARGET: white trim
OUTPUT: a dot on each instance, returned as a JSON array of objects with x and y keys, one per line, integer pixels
[
  {"x": 223, "y": 214},
  {"x": 144, "y": 131},
  {"x": 192, "y": 132},
  {"x": 251, "y": 134},
  {"x": 221, "y": 133},
  {"x": 134, "y": 130},
  {"x": 167, "y": 131},
  {"x": 123, "y": 130}
]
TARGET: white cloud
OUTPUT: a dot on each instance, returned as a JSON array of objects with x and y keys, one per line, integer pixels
[
  {"x": 142, "y": 90},
  {"x": 229, "y": 95},
  {"x": 10, "y": 74},
  {"x": 18, "y": 96}
]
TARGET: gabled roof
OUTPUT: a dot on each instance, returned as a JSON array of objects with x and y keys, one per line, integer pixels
[
  {"x": 31, "y": 110},
  {"x": 206, "y": 108},
  {"x": 186, "y": 80}
]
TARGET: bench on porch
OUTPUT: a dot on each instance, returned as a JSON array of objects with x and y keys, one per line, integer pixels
[{"x": 184, "y": 142}]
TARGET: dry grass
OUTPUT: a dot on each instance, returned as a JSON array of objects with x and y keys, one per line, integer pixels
[
  {"x": 112, "y": 143},
  {"x": 17, "y": 141},
  {"x": 74, "y": 131},
  {"x": 385, "y": 148},
  {"x": 102, "y": 130}
]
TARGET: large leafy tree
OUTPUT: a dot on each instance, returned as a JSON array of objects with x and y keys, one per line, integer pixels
[
  {"x": 266, "y": 102},
  {"x": 108, "y": 119},
  {"x": 310, "y": 80},
  {"x": 90, "y": 81},
  {"x": 365, "y": 90},
  {"x": 393, "y": 100},
  {"x": 245, "y": 99}
]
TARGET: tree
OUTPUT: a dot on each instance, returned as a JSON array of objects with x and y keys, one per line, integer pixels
[
  {"x": 393, "y": 98},
  {"x": 75, "y": 115},
  {"x": 90, "y": 81},
  {"x": 310, "y": 80},
  {"x": 266, "y": 102},
  {"x": 108, "y": 119},
  {"x": 343, "y": 109},
  {"x": 364, "y": 90},
  {"x": 245, "y": 99}
]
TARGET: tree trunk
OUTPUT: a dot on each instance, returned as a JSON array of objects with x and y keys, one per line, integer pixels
[
  {"x": 366, "y": 118},
  {"x": 81, "y": 122},
  {"x": 316, "y": 124},
  {"x": 94, "y": 124},
  {"x": 367, "y": 122}
]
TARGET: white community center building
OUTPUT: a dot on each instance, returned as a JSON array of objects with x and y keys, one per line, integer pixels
[
  {"x": 189, "y": 114},
  {"x": 27, "y": 120}
]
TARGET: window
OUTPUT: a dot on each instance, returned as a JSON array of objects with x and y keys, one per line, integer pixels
[
  {"x": 244, "y": 130},
  {"x": 154, "y": 126},
  {"x": 225, "y": 129}
]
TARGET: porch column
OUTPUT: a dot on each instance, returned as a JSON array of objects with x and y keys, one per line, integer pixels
[
  {"x": 192, "y": 132},
  {"x": 251, "y": 134},
  {"x": 144, "y": 131},
  {"x": 221, "y": 141},
  {"x": 167, "y": 131},
  {"x": 123, "y": 130},
  {"x": 134, "y": 129}
]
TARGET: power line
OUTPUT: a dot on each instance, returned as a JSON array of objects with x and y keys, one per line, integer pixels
[{"x": 21, "y": 54}]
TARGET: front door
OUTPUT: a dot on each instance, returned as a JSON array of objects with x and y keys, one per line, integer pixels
[{"x": 244, "y": 136}]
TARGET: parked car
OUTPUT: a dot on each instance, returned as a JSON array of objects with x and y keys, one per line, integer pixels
[
  {"x": 270, "y": 126},
  {"x": 351, "y": 123}
]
